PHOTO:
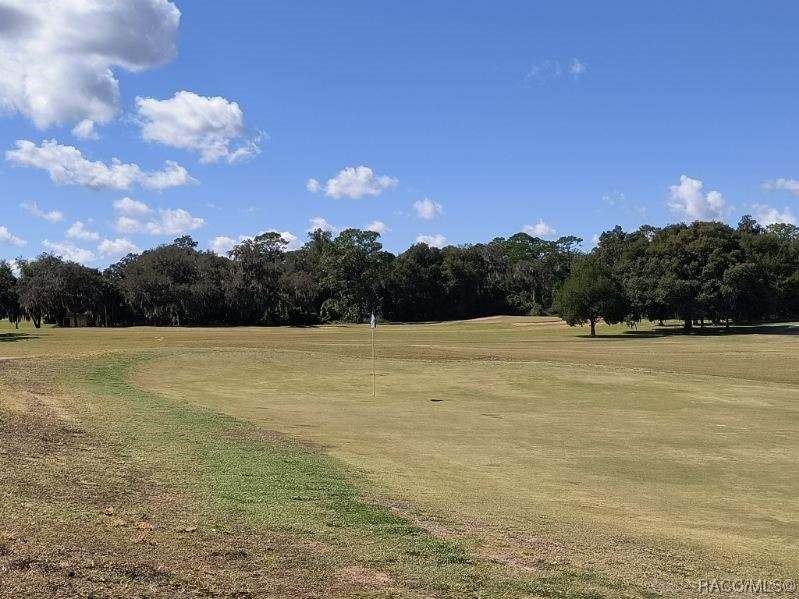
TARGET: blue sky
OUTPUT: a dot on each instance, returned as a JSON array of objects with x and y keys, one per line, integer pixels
[{"x": 473, "y": 119}]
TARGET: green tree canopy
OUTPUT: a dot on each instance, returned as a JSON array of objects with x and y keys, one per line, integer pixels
[{"x": 590, "y": 293}]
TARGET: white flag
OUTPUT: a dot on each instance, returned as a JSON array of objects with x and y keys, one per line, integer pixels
[{"x": 373, "y": 321}]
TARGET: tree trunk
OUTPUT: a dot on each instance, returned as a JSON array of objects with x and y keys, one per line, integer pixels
[
  {"x": 593, "y": 327},
  {"x": 689, "y": 324}
]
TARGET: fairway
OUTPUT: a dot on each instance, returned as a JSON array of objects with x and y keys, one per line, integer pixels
[{"x": 637, "y": 462}]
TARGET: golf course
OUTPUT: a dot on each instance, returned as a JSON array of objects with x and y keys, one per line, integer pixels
[{"x": 497, "y": 457}]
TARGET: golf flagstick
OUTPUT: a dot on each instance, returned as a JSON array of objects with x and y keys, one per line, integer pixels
[{"x": 373, "y": 326}]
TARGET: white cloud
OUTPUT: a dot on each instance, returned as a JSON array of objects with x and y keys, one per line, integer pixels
[
  {"x": 132, "y": 208},
  {"x": 169, "y": 222},
  {"x": 57, "y": 59},
  {"x": 15, "y": 268},
  {"x": 222, "y": 245},
  {"x": 549, "y": 70},
  {"x": 614, "y": 199},
  {"x": 172, "y": 175},
  {"x": 354, "y": 182},
  {"x": 7, "y": 238},
  {"x": 317, "y": 222},
  {"x": 85, "y": 130},
  {"x": 427, "y": 209},
  {"x": 67, "y": 166},
  {"x": 174, "y": 222},
  {"x": 52, "y": 216},
  {"x": 292, "y": 241},
  {"x": 117, "y": 247},
  {"x": 577, "y": 68},
  {"x": 791, "y": 185},
  {"x": 539, "y": 229},
  {"x": 767, "y": 215},
  {"x": 544, "y": 71},
  {"x": 686, "y": 200},
  {"x": 79, "y": 231},
  {"x": 197, "y": 123},
  {"x": 436, "y": 241},
  {"x": 378, "y": 226},
  {"x": 619, "y": 200},
  {"x": 125, "y": 224},
  {"x": 69, "y": 251}
]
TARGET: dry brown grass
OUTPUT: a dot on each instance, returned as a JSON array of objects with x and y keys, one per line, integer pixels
[
  {"x": 78, "y": 518},
  {"x": 563, "y": 467}
]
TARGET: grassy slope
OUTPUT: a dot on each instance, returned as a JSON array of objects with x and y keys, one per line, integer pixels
[{"x": 573, "y": 462}]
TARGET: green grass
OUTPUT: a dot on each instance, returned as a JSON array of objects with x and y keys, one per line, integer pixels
[
  {"x": 269, "y": 481},
  {"x": 240, "y": 473},
  {"x": 510, "y": 457}
]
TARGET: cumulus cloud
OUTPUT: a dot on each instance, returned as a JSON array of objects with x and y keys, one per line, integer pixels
[
  {"x": 292, "y": 241},
  {"x": 354, "y": 182},
  {"x": 69, "y": 251},
  {"x": 427, "y": 209},
  {"x": 15, "y": 268},
  {"x": 85, "y": 130},
  {"x": 79, "y": 231},
  {"x": 125, "y": 224},
  {"x": 66, "y": 165},
  {"x": 110, "y": 248},
  {"x": 7, "y": 238},
  {"x": 540, "y": 229},
  {"x": 378, "y": 226},
  {"x": 174, "y": 222},
  {"x": 436, "y": 241},
  {"x": 222, "y": 245},
  {"x": 57, "y": 59},
  {"x": 687, "y": 201},
  {"x": 211, "y": 126},
  {"x": 52, "y": 216},
  {"x": 766, "y": 215},
  {"x": 168, "y": 222},
  {"x": 132, "y": 208},
  {"x": 791, "y": 185},
  {"x": 317, "y": 222}
]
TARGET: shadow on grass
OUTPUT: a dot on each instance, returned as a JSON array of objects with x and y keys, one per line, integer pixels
[
  {"x": 14, "y": 336},
  {"x": 712, "y": 331}
]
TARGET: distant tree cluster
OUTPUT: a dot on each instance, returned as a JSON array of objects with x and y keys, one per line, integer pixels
[
  {"x": 703, "y": 272},
  {"x": 706, "y": 272}
]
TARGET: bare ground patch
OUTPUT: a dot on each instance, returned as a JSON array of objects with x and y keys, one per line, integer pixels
[{"x": 78, "y": 519}]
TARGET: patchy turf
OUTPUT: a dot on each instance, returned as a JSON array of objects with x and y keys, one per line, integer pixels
[
  {"x": 117, "y": 492},
  {"x": 502, "y": 458}
]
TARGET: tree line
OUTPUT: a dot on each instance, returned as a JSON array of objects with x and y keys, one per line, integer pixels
[
  {"x": 705, "y": 272},
  {"x": 702, "y": 272}
]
